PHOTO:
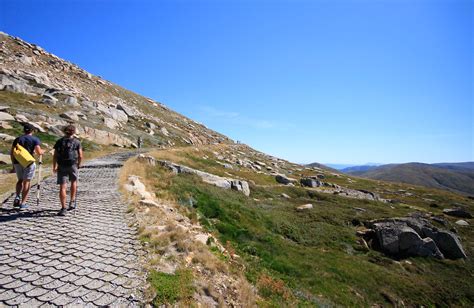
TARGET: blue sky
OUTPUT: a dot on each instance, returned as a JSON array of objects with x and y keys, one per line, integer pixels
[{"x": 326, "y": 81}]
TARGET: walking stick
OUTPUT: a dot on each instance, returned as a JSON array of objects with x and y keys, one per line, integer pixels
[
  {"x": 38, "y": 187},
  {"x": 77, "y": 191}
]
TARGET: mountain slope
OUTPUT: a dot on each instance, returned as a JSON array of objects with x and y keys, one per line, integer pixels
[
  {"x": 457, "y": 177},
  {"x": 213, "y": 214}
]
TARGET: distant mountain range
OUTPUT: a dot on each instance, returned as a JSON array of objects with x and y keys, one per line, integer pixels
[{"x": 456, "y": 177}]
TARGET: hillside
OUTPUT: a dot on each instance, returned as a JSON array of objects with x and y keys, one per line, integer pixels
[
  {"x": 456, "y": 177},
  {"x": 219, "y": 223}
]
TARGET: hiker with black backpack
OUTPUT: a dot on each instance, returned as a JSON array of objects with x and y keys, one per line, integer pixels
[
  {"x": 66, "y": 163},
  {"x": 22, "y": 151}
]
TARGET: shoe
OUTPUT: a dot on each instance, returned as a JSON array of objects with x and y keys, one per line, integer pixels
[
  {"x": 62, "y": 212},
  {"x": 16, "y": 202},
  {"x": 23, "y": 206},
  {"x": 72, "y": 206}
]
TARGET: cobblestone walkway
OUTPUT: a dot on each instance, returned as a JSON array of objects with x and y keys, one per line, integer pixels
[{"x": 89, "y": 258}]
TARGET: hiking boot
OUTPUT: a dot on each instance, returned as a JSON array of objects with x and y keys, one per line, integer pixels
[
  {"x": 72, "y": 206},
  {"x": 23, "y": 206},
  {"x": 16, "y": 202},
  {"x": 62, "y": 212}
]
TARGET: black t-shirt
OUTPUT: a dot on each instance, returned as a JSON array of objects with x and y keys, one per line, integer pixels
[
  {"x": 75, "y": 145},
  {"x": 29, "y": 142}
]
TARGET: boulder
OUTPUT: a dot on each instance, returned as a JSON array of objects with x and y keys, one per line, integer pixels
[
  {"x": 457, "y": 212},
  {"x": 4, "y": 108},
  {"x": 304, "y": 207},
  {"x": 118, "y": 115},
  {"x": 5, "y": 159},
  {"x": 5, "y": 125},
  {"x": 6, "y": 116},
  {"x": 111, "y": 123},
  {"x": 241, "y": 186},
  {"x": 128, "y": 111},
  {"x": 150, "y": 125},
  {"x": 164, "y": 131},
  {"x": 225, "y": 183},
  {"x": 282, "y": 179},
  {"x": 21, "y": 118},
  {"x": 70, "y": 115},
  {"x": 415, "y": 236},
  {"x": 310, "y": 182},
  {"x": 49, "y": 100},
  {"x": 71, "y": 101},
  {"x": 147, "y": 159},
  {"x": 5, "y": 137}
]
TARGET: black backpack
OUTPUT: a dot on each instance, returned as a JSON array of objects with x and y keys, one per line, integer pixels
[{"x": 67, "y": 152}]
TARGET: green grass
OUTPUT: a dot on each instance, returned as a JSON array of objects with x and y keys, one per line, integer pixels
[
  {"x": 171, "y": 288},
  {"x": 315, "y": 253}
]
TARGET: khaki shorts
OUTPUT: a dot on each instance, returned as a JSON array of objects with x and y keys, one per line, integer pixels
[
  {"x": 25, "y": 173},
  {"x": 66, "y": 173}
]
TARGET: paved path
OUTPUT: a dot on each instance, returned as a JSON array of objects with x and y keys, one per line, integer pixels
[{"x": 86, "y": 259}]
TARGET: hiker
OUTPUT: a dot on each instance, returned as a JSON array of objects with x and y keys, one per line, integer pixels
[
  {"x": 139, "y": 142},
  {"x": 25, "y": 174},
  {"x": 66, "y": 163}
]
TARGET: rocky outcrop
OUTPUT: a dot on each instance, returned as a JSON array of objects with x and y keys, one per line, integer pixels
[
  {"x": 222, "y": 182},
  {"x": 413, "y": 236}
]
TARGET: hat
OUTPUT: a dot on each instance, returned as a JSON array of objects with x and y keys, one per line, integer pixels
[{"x": 28, "y": 128}]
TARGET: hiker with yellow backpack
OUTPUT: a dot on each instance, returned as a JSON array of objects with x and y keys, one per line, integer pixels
[{"x": 23, "y": 149}]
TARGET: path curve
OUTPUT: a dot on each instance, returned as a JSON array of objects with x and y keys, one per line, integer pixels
[{"x": 90, "y": 258}]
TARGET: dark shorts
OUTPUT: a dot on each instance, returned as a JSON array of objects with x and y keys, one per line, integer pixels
[{"x": 67, "y": 172}]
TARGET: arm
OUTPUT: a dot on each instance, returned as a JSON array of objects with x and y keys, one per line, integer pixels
[
  {"x": 38, "y": 150},
  {"x": 79, "y": 157},
  {"x": 55, "y": 161}
]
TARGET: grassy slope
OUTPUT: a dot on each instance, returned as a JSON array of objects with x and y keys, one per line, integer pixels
[
  {"x": 313, "y": 257},
  {"x": 458, "y": 180}
]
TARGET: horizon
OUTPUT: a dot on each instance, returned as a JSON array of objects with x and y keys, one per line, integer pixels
[{"x": 391, "y": 83}]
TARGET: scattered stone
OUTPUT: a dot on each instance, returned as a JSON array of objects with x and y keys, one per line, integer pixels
[
  {"x": 285, "y": 196},
  {"x": 148, "y": 202},
  {"x": 457, "y": 212},
  {"x": 4, "y": 108},
  {"x": 304, "y": 207},
  {"x": 462, "y": 223}
]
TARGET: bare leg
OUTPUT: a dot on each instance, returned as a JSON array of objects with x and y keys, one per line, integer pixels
[
  {"x": 73, "y": 190},
  {"x": 62, "y": 194},
  {"x": 19, "y": 187},
  {"x": 25, "y": 190}
]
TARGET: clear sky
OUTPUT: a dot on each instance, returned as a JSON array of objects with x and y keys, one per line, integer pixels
[{"x": 339, "y": 81}]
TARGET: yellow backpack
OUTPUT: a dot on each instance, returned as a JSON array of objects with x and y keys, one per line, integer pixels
[{"x": 22, "y": 155}]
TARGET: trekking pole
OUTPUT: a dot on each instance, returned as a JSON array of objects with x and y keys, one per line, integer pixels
[
  {"x": 38, "y": 187},
  {"x": 77, "y": 192}
]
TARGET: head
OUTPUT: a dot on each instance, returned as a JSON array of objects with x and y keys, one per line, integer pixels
[
  {"x": 69, "y": 130},
  {"x": 28, "y": 129}
]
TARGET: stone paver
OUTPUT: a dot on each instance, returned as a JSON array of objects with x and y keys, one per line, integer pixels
[{"x": 88, "y": 258}]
